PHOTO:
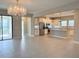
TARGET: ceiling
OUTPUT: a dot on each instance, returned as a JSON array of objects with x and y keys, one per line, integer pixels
[
  {"x": 39, "y": 7},
  {"x": 61, "y": 14}
]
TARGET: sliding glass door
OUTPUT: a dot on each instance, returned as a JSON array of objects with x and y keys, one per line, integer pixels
[
  {"x": 0, "y": 28},
  {"x": 5, "y": 27}
]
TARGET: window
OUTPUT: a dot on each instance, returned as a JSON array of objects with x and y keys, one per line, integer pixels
[
  {"x": 67, "y": 22},
  {"x": 71, "y": 23},
  {"x": 64, "y": 23}
]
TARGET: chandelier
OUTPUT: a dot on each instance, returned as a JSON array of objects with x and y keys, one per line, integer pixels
[{"x": 17, "y": 10}]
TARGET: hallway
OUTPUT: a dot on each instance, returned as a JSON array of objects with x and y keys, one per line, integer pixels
[{"x": 42, "y": 46}]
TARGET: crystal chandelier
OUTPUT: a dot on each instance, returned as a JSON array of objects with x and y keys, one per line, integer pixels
[{"x": 17, "y": 10}]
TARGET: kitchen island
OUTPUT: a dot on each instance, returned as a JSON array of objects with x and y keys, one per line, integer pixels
[{"x": 60, "y": 33}]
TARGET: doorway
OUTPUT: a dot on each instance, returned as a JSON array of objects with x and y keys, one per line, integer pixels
[{"x": 5, "y": 27}]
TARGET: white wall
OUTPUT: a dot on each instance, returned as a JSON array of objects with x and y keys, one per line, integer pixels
[
  {"x": 76, "y": 17},
  {"x": 26, "y": 26}
]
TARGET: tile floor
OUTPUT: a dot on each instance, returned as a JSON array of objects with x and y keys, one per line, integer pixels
[{"x": 39, "y": 47}]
